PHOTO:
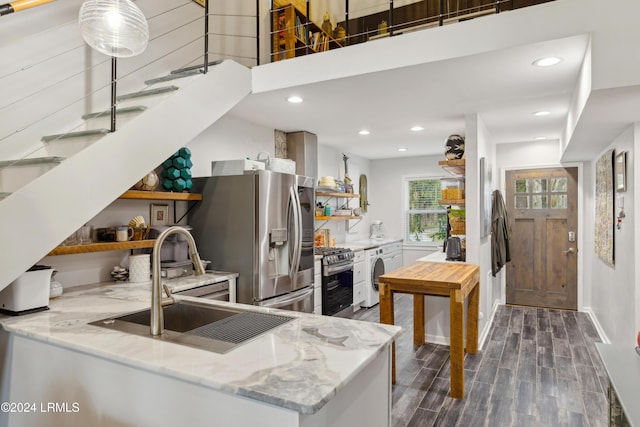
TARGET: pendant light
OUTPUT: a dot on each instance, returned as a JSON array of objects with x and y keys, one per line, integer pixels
[{"x": 116, "y": 28}]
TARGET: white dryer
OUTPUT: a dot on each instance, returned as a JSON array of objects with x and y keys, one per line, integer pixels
[{"x": 392, "y": 256}]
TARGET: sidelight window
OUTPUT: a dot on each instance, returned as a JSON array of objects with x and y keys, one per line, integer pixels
[{"x": 425, "y": 220}]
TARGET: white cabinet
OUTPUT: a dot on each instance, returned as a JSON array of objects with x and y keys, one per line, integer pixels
[
  {"x": 358, "y": 279},
  {"x": 317, "y": 287}
]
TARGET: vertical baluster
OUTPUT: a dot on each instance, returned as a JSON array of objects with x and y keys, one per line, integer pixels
[
  {"x": 258, "y": 32},
  {"x": 114, "y": 74},
  {"x": 391, "y": 18},
  {"x": 206, "y": 36},
  {"x": 346, "y": 22}
]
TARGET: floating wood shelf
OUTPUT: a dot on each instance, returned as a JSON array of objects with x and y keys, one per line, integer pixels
[
  {"x": 332, "y": 194},
  {"x": 337, "y": 218},
  {"x": 454, "y": 167},
  {"x": 102, "y": 247},
  {"x": 159, "y": 195}
]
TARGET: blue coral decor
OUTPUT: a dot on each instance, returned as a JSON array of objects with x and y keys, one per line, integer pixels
[{"x": 176, "y": 171}]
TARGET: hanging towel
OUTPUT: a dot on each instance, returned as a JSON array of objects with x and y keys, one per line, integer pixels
[{"x": 500, "y": 254}]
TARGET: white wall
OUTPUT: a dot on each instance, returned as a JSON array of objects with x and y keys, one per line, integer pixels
[
  {"x": 613, "y": 291},
  {"x": 330, "y": 163},
  {"x": 386, "y": 194},
  {"x": 229, "y": 138}
]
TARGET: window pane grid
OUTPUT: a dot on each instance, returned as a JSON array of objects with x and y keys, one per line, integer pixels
[{"x": 425, "y": 218}]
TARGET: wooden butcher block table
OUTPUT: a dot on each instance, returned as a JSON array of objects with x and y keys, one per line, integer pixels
[{"x": 450, "y": 279}]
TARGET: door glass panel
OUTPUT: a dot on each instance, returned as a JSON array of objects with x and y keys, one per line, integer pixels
[
  {"x": 539, "y": 202},
  {"x": 522, "y": 186},
  {"x": 522, "y": 202},
  {"x": 540, "y": 185},
  {"x": 559, "y": 201},
  {"x": 558, "y": 185}
]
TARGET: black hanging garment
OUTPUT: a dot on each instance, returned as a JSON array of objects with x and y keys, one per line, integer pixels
[{"x": 500, "y": 254}]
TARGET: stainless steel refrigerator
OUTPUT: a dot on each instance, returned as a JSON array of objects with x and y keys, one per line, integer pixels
[{"x": 259, "y": 224}]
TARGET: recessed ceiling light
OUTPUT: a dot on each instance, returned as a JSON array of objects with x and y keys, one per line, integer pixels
[
  {"x": 540, "y": 138},
  {"x": 546, "y": 62},
  {"x": 417, "y": 128},
  {"x": 541, "y": 113},
  {"x": 294, "y": 99},
  {"x": 402, "y": 149},
  {"x": 364, "y": 132}
]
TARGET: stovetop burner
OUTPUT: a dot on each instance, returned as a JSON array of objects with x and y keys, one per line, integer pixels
[
  {"x": 322, "y": 250},
  {"x": 333, "y": 255}
]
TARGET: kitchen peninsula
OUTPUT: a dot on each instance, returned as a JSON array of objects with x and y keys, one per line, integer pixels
[{"x": 311, "y": 371}]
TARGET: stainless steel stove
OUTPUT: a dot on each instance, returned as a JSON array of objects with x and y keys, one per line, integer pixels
[
  {"x": 337, "y": 281},
  {"x": 331, "y": 256}
]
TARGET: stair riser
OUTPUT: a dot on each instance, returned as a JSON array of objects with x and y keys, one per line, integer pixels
[{"x": 14, "y": 178}]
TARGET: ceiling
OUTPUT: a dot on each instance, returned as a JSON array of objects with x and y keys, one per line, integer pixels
[{"x": 503, "y": 87}]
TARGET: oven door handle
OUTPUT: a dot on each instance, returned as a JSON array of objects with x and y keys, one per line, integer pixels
[
  {"x": 339, "y": 268},
  {"x": 278, "y": 302}
]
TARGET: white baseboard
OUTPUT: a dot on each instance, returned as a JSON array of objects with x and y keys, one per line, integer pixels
[
  {"x": 487, "y": 325},
  {"x": 438, "y": 339},
  {"x": 596, "y": 323}
]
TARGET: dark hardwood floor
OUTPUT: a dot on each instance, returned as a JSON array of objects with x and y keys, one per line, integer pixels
[{"x": 538, "y": 367}]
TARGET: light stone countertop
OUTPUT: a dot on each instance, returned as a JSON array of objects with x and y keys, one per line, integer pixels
[
  {"x": 367, "y": 244},
  {"x": 299, "y": 365}
]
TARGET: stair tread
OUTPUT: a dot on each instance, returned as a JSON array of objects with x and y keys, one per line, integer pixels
[
  {"x": 79, "y": 134},
  {"x": 196, "y": 67},
  {"x": 31, "y": 161},
  {"x": 147, "y": 92},
  {"x": 123, "y": 110},
  {"x": 173, "y": 76}
]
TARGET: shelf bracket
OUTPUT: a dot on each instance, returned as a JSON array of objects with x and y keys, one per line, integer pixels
[
  {"x": 349, "y": 225},
  {"x": 318, "y": 228}
]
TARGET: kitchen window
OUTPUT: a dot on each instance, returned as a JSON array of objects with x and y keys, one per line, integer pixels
[{"x": 425, "y": 220}]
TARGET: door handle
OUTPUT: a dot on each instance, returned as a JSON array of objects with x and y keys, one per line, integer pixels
[{"x": 570, "y": 251}]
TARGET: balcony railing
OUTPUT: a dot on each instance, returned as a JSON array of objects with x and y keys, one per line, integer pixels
[{"x": 301, "y": 27}]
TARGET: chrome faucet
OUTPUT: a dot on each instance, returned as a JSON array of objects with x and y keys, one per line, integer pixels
[{"x": 157, "y": 320}]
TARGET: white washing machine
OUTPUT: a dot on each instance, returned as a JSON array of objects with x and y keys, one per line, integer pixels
[
  {"x": 373, "y": 268},
  {"x": 378, "y": 261}
]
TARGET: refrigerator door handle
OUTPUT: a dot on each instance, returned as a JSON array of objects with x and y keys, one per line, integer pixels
[
  {"x": 287, "y": 301},
  {"x": 295, "y": 258},
  {"x": 299, "y": 225}
]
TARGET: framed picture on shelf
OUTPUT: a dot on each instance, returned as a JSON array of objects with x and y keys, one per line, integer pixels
[
  {"x": 621, "y": 172},
  {"x": 159, "y": 214}
]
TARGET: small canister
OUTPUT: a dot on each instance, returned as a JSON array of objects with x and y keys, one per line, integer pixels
[
  {"x": 452, "y": 188},
  {"x": 327, "y": 210}
]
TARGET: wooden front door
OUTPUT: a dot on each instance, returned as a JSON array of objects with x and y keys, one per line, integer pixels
[{"x": 542, "y": 209}]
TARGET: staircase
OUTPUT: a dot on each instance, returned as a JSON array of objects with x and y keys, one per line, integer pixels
[
  {"x": 59, "y": 163},
  {"x": 57, "y": 188}
]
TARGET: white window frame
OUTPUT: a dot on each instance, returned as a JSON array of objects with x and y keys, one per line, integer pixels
[{"x": 405, "y": 209}]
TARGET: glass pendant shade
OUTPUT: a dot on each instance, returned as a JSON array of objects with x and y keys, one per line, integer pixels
[{"x": 114, "y": 27}]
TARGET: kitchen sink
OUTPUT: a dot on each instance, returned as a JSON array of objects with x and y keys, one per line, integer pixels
[{"x": 204, "y": 326}]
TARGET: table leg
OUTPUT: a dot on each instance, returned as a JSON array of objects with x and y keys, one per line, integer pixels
[
  {"x": 456, "y": 358},
  {"x": 418, "y": 319},
  {"x": 472, "y": 319},
  {"x": 386, "y": 316}
]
